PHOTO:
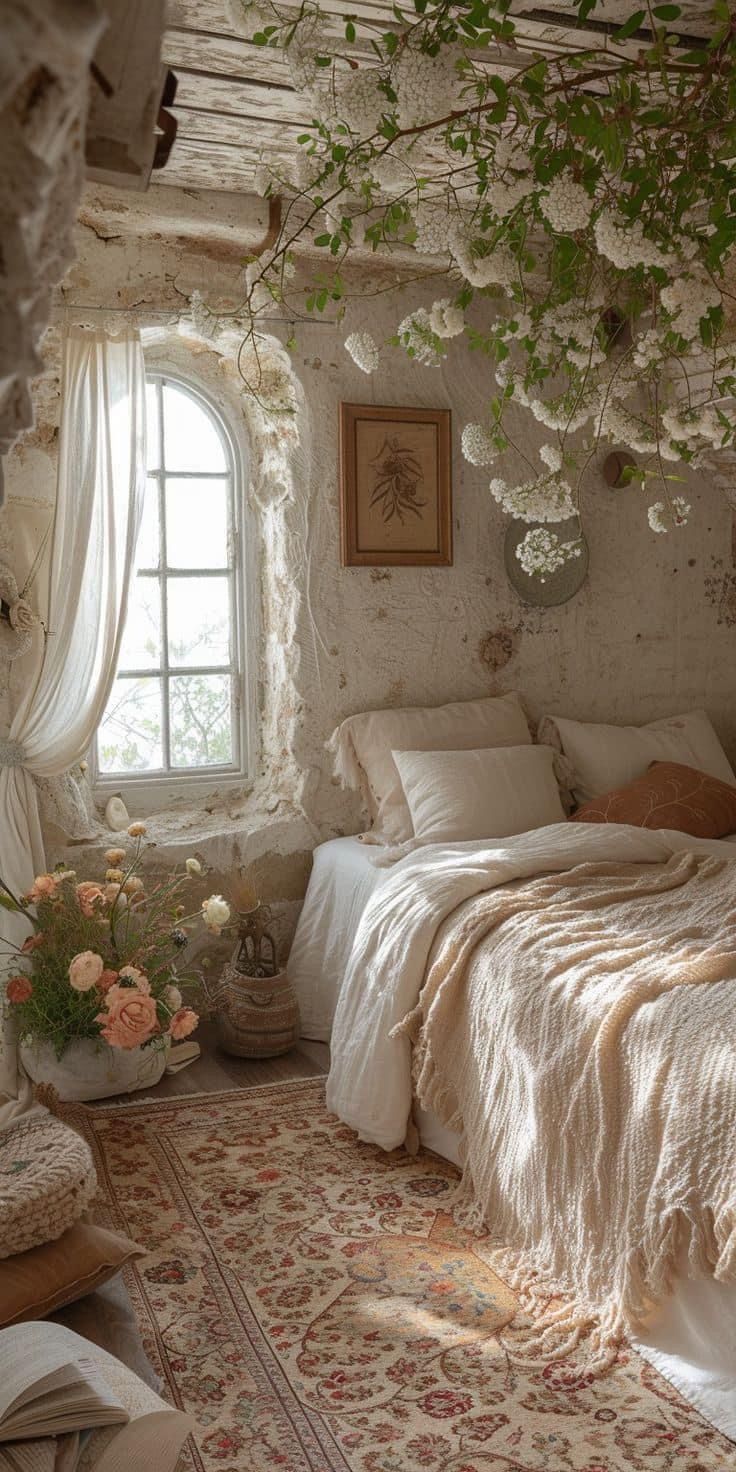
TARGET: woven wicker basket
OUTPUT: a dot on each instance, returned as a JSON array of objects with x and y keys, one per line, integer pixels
[{"x": 257, "y": 1016}]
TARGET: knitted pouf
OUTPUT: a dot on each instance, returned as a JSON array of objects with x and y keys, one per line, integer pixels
[{"x": 47, "y": 1179}]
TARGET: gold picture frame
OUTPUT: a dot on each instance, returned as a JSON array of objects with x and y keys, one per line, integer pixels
[{"x": 395, "y": 486}]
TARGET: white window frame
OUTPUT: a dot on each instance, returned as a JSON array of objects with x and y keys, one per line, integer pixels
[{"x": 166, "y": 784}]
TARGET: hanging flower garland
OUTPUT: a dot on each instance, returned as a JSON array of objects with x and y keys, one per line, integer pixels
[{"x": 582, "y": 206}]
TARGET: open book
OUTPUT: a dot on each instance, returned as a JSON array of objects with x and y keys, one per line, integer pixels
[{"x": 54, "y": 1384}]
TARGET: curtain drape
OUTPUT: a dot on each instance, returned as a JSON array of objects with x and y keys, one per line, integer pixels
[{"x": 101, "y": 482}]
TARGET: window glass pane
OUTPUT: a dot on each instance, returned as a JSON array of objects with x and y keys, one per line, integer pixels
[
  {"x": 129, "y": 738},
  {"x": 141, "y": 647},
  {"x": 191, "y": 441},
  {"x": 147, "y": 546},
  {"x": 153, "y": 437},
  {"x": 196, "y": 523},
  {"x": 199, "y": 620},
  {"x": 200, "y": 721}
]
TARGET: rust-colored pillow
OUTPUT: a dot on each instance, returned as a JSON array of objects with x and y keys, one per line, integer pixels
[{"x": 669, "y": 795}]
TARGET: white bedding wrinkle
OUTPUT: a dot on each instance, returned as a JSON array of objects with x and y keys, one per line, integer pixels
[{"x": 601, "y": 1213}]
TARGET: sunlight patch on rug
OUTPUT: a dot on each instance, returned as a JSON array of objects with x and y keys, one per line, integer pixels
[{"x": 310, "y": 1300}]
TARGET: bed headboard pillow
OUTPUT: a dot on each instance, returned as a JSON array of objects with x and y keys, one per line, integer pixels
[
  {"x": 362, "y": 747},
  {"x": 669, "y": 795},
  {"x": 490, "y": 793},
  {"x": 602, "y": 758}
]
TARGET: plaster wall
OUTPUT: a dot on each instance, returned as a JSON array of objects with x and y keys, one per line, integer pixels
[{"x": 651, "y": 632}]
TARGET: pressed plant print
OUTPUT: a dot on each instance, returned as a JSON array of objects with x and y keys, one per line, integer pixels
[{"x": 398, "y": 481}]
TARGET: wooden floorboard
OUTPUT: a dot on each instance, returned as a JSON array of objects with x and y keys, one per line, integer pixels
[{"x": 216, "y": 1070}]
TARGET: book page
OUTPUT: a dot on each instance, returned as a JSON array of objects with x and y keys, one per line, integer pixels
[{"x": 50, "y": 1381}]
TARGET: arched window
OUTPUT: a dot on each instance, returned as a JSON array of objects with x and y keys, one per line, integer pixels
[{"x": 176, "y": 706}]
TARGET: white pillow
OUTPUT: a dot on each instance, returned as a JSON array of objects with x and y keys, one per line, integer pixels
[
  {"x": 456, "y": 795},
  {"x": 604, "y": 757},
  {"x": 363, "y": 746}
]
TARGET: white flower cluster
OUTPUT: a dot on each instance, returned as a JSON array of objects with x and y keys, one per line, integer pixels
[
  {"x": 624, "y": 243},
  {"x": 363, "y": 351},
  {"x": 431, "y": 223},
  {"x": 573, "y": 327},
  {"x": 662, "y": 517},
  {"x": 696, "y": 423},
  {"x": 477, "y": 445},
  {"x": 426, "y": 86},
  {"x": 418, "y": 338},
  {"x": 499, "y": 268},
  {"x": 542, "y": 553},
  {"x": 511, "y": 154},
  {"x": 393, "y": 171},
  {"x": 551, "y": 457},
  {"x": 545, "y": 499},
  {"x": 566, "y": 205},
  {"x": 648, "y": 349},
  {"x": 302, "y": 52},
  {"x": 445, "y": 319},
  {"x": 360, "y": 102},
  {"x": 503, "y": 195},
  {"x": 687, "y": 300}
]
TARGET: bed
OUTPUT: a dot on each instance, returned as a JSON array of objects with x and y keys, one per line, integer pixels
[{"x": 352, "y": 896}]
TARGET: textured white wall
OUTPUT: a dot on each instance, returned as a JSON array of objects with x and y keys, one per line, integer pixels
[{"x": 651, "y": 632}]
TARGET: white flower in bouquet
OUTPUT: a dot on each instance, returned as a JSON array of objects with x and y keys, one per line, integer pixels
[{"x": 216, "y": 912}]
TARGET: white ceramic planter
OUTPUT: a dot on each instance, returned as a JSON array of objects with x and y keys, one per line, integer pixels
[{"x": 92, "y": 1070}]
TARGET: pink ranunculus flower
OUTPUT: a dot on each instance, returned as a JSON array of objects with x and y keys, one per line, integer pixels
[
  {"x": 130, "y": 1018},
  {"x": 106, "y": 979},
  {"x": 18, "y": 989},
  {"x": 85, "y": 970},
  {"x": 182, "y": 1023},
  {"x": 44, "y": 887},
  {"x": 89, "y": 895}
]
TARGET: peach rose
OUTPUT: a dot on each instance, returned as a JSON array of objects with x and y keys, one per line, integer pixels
[
  {"x": 18, "y": 989},
  {"x": 88, "y": 895},
  {"x": 182, "y": 1023},
  {"x": 85, "y": 970},
  {"x": 106, "y": 979},
  {"x": 44, "y": 887},
  {"x": 130, "y": 1018}
]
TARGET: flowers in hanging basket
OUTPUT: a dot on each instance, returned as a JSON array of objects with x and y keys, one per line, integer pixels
[{"x": 104, "y": 958}]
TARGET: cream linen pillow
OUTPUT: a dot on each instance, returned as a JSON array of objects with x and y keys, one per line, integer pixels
[
  {"x": 363, "y": 747},
  {"x": 606, "y": 757},
  {"x": 457, "y": 795}
]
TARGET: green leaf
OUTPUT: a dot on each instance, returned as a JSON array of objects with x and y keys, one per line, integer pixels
[
  {"x": 667, "y": 12},
  {"x": 632, "y": 24},
  {"x": 349, "y": 31}
]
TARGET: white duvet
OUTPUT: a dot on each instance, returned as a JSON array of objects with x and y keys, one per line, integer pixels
[{"x": 369, "y": 1085}]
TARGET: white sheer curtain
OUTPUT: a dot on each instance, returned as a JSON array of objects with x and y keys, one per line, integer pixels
[{"x": 101, "y": 481}]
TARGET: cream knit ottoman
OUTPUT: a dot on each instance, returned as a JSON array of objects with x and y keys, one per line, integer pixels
[{"x": 47, "y": 1179}]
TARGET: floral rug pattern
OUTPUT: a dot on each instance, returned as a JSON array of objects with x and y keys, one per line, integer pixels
[{"x": 311, "y": 1302}]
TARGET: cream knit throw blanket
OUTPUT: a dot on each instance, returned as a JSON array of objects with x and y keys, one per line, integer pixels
[{"x": 580, "y": 1028}]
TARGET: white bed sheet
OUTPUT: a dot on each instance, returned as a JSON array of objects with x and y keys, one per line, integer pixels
[
  {"x": 343, "y": 878},
  {"x": 691, "y": 1339}
]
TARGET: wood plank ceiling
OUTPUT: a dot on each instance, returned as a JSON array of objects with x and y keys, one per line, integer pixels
[{"x": 235, "y": 101}]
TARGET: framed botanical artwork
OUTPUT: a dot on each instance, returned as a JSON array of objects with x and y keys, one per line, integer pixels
[{"x": 395, "y": 487}]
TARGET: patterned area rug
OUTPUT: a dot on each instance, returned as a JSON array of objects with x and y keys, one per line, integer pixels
[{"x": 311, "y": 1302}]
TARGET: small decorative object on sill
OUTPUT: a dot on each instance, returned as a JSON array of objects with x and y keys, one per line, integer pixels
[
  {"x": 256, "y": 1010},
  {"x": 95, "y": 989},
  {"x": 117, "y": 816}
]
